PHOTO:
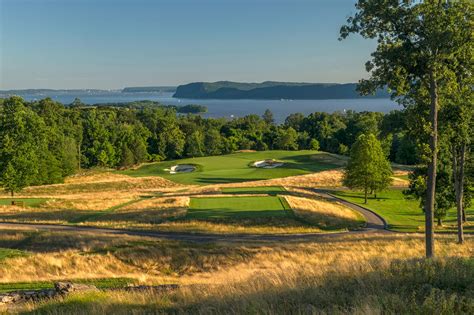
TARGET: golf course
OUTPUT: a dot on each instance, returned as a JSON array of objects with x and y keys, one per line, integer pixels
[
  {"x": 226, "y": 219},
  {"x": 237, "y": 167}
]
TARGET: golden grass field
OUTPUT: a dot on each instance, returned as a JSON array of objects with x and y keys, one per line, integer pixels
[{"x": 238, "y": 278}]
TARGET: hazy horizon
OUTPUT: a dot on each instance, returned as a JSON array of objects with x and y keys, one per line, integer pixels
[{"x": 103, "y": 44}]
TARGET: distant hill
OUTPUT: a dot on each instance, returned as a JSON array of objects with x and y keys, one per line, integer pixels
[
  {"x": 149, "y": 89},
  {"x": 271, "y": 90}
]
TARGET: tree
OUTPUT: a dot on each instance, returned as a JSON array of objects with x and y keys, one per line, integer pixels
[
  {"x": 314, "y": 145},
  {"x": 195, "y": 144},
  {"x": 457, "y": 123},
  {"x": 368, "y": 168},
  {"x": 212, "y": 142},
  {"x": 444, "y": 192},
  {"x": 268, "y": 117},
  {"x": 419, "y": 46},
  {"x": 286, "y": 139}
]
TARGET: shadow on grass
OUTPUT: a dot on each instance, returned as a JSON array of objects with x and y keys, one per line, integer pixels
[{"x": 224, "y": 180}]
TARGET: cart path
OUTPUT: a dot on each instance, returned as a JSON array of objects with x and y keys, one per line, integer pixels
[{"x": 374, "y": 221}]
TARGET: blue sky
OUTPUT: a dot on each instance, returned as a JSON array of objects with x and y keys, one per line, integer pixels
[{"x": 113, "y": 44}]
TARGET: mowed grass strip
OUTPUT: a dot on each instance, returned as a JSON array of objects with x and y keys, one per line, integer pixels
[
  {"x": 404, "y": 214},
  {"x": 269, "y": 190},
  {"x": 101, "y": 283},
  {"x": 237, "y": 208},
  {"x": 29, "y": 202},
  {"x": 7, "y": 253},
  {"x": 237, "y": 167}
]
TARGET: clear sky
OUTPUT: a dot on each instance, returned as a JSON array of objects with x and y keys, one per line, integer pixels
[{"x": 118, "y": 43}]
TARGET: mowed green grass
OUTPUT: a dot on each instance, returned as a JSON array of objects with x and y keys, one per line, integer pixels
[
  {"x": 269, "y": 190},
  {"x": 236, "y": 167},
  {"x": 102, "y": 283},
  {"x": 238, "y": 208},
  {"x": 403, "y": 214},
  {"x": 7, "y": 253},
  {"x": 29, "y": 202}
]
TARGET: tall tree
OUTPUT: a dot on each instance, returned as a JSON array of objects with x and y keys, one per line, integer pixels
[
  {"x": 458, "y": 126},
  {"x": 419, "y": 44},
  {"x": 368, "y": 168}
]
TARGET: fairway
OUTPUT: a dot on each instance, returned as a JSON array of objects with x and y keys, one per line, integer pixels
[
  {"x": 237, "y": 208},
  {"x": 237, "y": 167},
  {"x": 402, "y": 214}
]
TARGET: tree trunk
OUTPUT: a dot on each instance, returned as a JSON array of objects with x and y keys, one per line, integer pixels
[
  {"x": 365, "y": 196},
  {"x": 440, "y": 222},
  {"x": 459, "y": 188},
  {"x": 431, "y": 181},
  {"x": 79, "y": 157},
  {"x": 12, "y": 193}
]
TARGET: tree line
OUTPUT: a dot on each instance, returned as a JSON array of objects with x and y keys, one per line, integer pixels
[{"x": 42, "y": 142}]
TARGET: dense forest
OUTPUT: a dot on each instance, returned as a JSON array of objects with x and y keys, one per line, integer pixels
[{"x": 56, "y": 140}]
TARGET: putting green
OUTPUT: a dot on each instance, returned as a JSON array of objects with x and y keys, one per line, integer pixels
[
  {"x": 238, "y": 208},
  {"x": 237, "y": 167}
]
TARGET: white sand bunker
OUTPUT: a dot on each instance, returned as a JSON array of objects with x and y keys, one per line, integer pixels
[
  {"x": 267, "y": 163},
  {"x": 181, "y": 168}
]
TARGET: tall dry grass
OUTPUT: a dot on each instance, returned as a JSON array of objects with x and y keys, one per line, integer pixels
[
  {"x": 323, "y": 213},
  {"x": 366, "y": 274}
]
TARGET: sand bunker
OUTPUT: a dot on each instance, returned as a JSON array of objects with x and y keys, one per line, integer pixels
[
  {"x": 181, "y": 168},
  {"x": 267, "y": 164}
]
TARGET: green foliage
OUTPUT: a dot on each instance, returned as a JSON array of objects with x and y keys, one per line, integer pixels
[
  {"x": 314, "y": 144},
  {"x": 368, "y": 168},
  {"x": 444, "y": 199},
  {"x": 22, "y": 144},
  {"x": 268, "y": 117},
  {"x": 286, "y": 139}
]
